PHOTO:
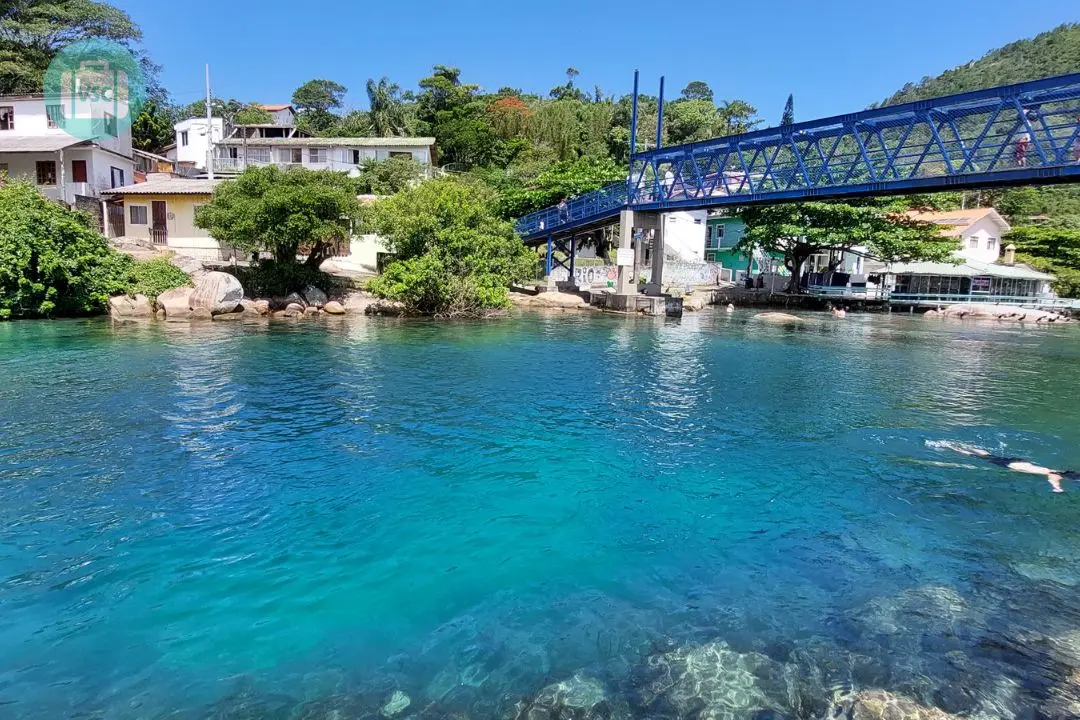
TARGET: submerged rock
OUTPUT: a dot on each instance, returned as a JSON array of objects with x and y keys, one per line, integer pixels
[
  {"x": 578, "y": 698},
  {"x": 217, "y": 292},
  {"x": 396, "y": 704},
  {"x": 777, "y": 317},
  {"x": 881, "y": 705},
  {"x": 708, "y": 681},
  {"x": 925, "y": 609},
  {"x": 127, "y": 306}
]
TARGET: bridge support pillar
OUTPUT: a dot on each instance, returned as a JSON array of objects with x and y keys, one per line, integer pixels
[
  {"x": 656, "y": 286},
  {"x": 627, "y": 284}
]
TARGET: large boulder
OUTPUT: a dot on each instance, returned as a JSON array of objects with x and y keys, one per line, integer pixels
[
  {"x": 881, "y": 705},
  {"x": 315, "y": 296},
  {"x": 334, "y": 308},
  {"x": 706, "y": 681},
  {"x": 176, "y": 303},
  {"x": 579, "y": 698},
  {"x": 217, "y": 292},
  {"x": 295, "y": 299},
  {"x": 778, "y": 317},
  {"x": 127, "y": 306}
]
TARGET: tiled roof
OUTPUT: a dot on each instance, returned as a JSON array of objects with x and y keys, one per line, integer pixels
[
  {"x": 955, "y": 222},
  {"x": 331, "y": 142},
  {"x": 171, "y": 186}
]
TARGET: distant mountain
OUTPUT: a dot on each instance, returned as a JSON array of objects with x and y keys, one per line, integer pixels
[{"x": 1056, "y": 52}]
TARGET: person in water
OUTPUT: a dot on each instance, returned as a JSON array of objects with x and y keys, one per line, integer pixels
[{"x": 1054, "y": 477}]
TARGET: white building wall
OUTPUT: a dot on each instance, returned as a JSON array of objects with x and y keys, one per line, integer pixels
[
  {"x": 684, "y": 235},
  {"x": 194, "y": 151},
  {"x": 31, "y": 119},
  {"x": 985, "y": 236},
  {"x": 99, "y": 164}
]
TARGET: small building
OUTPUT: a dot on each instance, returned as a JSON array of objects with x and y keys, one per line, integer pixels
[
  {"x": 976, "y": 275},
  {"x": 723, "y": 235},
  {"x": 282, "y": 114},
  {"x": 193, "y": 141},
  {"x": 35, "y": 146},
  {"x": 162, "y": 211}
]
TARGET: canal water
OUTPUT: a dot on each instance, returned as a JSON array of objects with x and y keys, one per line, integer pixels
[{"x": 301, "y": 520}]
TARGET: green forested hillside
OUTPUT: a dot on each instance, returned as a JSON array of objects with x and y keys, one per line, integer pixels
[
  {"x": 1046, "y": 220},
  {"x": 1056, "y": 52}
]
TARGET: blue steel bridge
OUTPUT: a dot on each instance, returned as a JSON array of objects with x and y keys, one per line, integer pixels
[{"x": 1025, "y": 134}]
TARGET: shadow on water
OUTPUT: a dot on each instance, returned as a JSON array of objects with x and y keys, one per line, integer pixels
[{"x": 547, "y": 516}]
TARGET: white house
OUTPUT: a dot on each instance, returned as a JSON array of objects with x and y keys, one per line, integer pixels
[
  {"x": 35, "y": 146},
  {"x": 192, "y": 143},
  {"x": 979, "y": 231},
  {"x": 234, "y": 154}
]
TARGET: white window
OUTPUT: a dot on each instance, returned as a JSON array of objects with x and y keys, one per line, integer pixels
[
  {"x": 298, "y": 156},
  {"x": 991, "y": 244},
  {"x": 258, "y": 156},
  {"x": 138, "y": 215},
  {"x": 353, "y": 156},
  {"x": 117, "y": 177},
  {"x": 55, "y": 115},
  {"x": 7, "y": 118},
  {"x": 973, "y": 243},
  {"x": 316, "y": 156},
  {"x": 183, "y": 138}
]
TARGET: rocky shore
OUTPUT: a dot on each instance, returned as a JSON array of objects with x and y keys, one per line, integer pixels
[{"x": 219, "y": 297}]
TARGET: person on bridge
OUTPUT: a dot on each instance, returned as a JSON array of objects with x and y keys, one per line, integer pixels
[
  {"x": 1022, "y": 144},
  {"x": 1054, "y": 477},
  {"x": 564, "y": 211}
]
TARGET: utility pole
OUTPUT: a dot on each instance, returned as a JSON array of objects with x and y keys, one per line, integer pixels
[{"x": 209, "y": 129}]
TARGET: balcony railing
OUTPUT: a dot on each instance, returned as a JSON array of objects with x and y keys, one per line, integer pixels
[{"x": 903, "y": 298}]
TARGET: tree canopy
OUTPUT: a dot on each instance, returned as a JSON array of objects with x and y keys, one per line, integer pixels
[
  {"x": 316, "y": 101},
  {"x": 798, "y": 231},
  {"x": 32, "y": 32},
  {"x": 453, "y": 255},
  {"x": 286, "y": 212}
]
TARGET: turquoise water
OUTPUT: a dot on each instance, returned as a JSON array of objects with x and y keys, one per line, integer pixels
[{"x": 271, "y": 520}]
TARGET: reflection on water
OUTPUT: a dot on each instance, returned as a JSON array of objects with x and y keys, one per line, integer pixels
[{"x": 555, "y": 515}]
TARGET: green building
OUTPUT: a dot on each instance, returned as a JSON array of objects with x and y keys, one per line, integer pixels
[{"x": 723, "y": 234}]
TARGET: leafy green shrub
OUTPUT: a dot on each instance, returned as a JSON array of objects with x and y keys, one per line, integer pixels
[
  {"x": 271, "y": 278},
  {"x": 153, "y": 277},
  {"x": 51, "y": 261},
  {"x": 454, "y": 255}
]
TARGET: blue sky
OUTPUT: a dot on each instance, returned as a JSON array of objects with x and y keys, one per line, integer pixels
[{"x": 834, "y": 56}]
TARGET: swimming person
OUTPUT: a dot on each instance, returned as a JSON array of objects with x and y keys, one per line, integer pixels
[{"x": 1054, "y": 477}]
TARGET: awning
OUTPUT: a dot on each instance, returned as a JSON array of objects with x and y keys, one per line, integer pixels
[
  {"x": 968, "y": 268},
  {"x": 36, "y": 143}
]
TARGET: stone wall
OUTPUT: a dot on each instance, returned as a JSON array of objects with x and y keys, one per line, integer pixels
[{"x": 676, "y": 273}]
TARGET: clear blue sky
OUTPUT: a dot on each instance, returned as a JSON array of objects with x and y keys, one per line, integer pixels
[{"x": 836, "y": 56}]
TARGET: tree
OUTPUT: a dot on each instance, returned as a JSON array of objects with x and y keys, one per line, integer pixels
[
  {"x": 252, "y": 114},
  {"x": 697, "y": 90},
  {"x": 386, "y": 177},
  {"x": 520, "y": 195},
  {"x": 789, "y": 111},
  {"x": 798, "y": 231},
  {"x": 32, "y": 32},
  {"x": 153, "y": 127},
  {"x": 568, "y": 91},
  {"x": 51, "y": 261},
  {"x": 286, "y": 212},
  {"x": 315, "y": 102},
  {"x": 385, "y": 115},
  {"x": 453, "y": 256},
  {"x": 457, "y": 117},
  {"x": 1051, "y": 249}
]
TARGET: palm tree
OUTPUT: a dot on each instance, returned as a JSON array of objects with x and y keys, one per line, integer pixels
[{"x": 386, "y": 115}]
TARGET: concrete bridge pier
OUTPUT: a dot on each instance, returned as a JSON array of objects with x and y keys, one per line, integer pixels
[
  {"x": 626, "y": 297},
  {"x": 655, "y": 287}
]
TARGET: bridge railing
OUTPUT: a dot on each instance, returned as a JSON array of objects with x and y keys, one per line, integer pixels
[{"x": 1018, "y": 133}]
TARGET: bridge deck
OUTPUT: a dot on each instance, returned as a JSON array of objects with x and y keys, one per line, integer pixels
[{"x": 1024, "y": 134}]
